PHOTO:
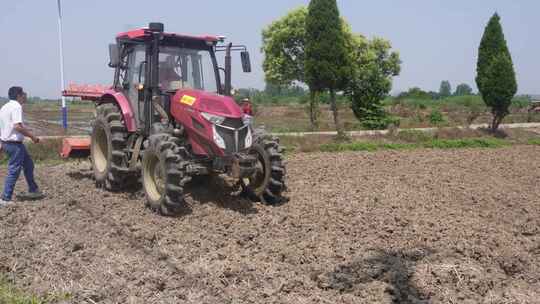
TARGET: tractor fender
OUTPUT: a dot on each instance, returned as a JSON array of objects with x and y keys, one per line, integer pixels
[{"x": 119, "y": 99}]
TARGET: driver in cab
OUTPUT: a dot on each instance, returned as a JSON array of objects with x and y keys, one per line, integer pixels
[{"x": 169, "y": 78}]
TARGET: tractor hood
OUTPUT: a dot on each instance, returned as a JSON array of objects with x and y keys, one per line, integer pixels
[{"x": 207, "y": 102}]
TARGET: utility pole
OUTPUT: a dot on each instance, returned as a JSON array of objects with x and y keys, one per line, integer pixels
[{"x": 61, "y": 44}]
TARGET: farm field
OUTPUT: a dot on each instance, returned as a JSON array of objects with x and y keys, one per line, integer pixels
[
  {"x": 46, "y": 118},
  {"x": 419, "y": 226},
  {"x": 290, "y": 155}
]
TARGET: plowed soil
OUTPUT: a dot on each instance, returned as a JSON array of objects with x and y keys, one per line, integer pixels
[{"x": 458, "y": 226}]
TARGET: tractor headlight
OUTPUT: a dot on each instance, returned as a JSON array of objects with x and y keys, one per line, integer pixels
[
  {"x": 249, "y": 139},
  {"x": 215, "y": 119},
  {"x": 220, "y": 142}
]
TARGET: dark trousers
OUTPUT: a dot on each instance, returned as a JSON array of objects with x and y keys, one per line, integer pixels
[{"x": 19, "y": 160}]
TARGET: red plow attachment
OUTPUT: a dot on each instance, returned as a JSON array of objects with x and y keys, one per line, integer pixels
[{"x": 75, "y": 146}]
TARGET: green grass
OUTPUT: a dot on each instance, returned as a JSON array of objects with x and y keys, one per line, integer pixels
[
  {"x": 11, "y": 295},
  {"x": 466, "y": 143},
  {"x": 356, "y": 146},
  {"x": 534, "y": 142},
  {"x": 47, "y": 151},
  {"x": 431, "y": 144}
]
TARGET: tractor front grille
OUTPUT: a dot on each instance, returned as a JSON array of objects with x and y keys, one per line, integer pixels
[
  {"x": 233, "y": 132},
  {"x": 234, "y": 123}
]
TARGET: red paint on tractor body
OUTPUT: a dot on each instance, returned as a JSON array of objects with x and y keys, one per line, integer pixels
[
  {"x": 125, "y": 107},
  {"x": 186, "y": 108},
  {"x": 143, "y": 33}
]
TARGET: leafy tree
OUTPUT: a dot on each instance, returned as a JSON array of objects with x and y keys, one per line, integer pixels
[
  {"x": 326, "y": 64},
  {"x": 499, "y": 88},
  {"x": 436, "y": 118},
  {"x": 417, "y": 93},
  {"x": 283, "y": 47},
  {"x": 445, "y": 90},
  {"x": 463, "y": 90},
  {"x": 496, "y": 78},
  {"x": 374, "y": 66},
  {"x": 284, "y": 50},
  {"x": 434, "y": 95}
]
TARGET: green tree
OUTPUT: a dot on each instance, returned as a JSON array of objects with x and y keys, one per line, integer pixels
[
  {"x": 418, "y": 93},
  {"x": 371, "y": 81},
  {"x": 445, "y": 89},
  {"x": 283, "y": 47},
  {"x": 284, "y": 50},
  {"x": 326, "y": 58},
  {"x": 463, "y": 90},
  {"x": 496, "y": 78}
]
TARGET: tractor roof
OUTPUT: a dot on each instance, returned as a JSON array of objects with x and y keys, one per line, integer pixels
[{"x": 143, "y": 33}]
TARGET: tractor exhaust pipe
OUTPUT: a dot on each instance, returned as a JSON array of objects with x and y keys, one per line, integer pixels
[{"x": 228, "y": 71}]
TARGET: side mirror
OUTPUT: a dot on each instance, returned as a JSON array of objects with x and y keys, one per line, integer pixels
[
  {"x": 246, "y": 62},
  {"x": 114, "y": 56}
]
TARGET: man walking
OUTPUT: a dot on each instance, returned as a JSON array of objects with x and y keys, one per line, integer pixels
[{"x": 12, "y": 133}]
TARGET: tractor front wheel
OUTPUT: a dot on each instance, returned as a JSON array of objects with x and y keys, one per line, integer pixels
[
  {"x": 109, "y": 141},
  {"x": 268, "y": 182},
  {"x": 164, "y": 169}
]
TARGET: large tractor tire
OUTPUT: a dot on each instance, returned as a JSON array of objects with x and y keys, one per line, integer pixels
[
  {"x": 164, "y": 168},
  {"x": 268, "y": 183},
  {"x": 108, "y": 150}
]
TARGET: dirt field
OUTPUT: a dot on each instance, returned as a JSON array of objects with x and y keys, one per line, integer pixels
[{"x": 420, "y": 226}]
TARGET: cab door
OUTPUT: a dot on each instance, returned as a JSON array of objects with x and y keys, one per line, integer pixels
[{"x": 134, "y": 82}]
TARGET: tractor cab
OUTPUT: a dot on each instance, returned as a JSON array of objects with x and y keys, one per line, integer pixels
[{"x": 150, "y": 64}]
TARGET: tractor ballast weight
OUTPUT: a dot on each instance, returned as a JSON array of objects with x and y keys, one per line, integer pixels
[{"x": 168, "y": 117}]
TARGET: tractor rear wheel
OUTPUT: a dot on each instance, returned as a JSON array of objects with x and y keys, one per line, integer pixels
[
  {"x": 268, "y": 182},
  {"x": 164, "y": 168},
  {"x": 109, "y": 142}
]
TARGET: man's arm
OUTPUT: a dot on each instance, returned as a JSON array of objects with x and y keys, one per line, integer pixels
[{"x": 26, "y": 132}]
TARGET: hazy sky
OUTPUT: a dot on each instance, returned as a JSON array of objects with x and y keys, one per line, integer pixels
[{"x": 437, "y": 39}]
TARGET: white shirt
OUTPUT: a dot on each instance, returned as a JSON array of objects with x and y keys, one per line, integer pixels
[{"x": 10, "y": 114}]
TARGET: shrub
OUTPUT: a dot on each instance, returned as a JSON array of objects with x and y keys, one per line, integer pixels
[
  {"x": 380, "y": 122},
  {"x": 436, "y": 117}
]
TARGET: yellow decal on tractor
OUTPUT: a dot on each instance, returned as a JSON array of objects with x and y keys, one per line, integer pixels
[{"x": 189, "y": 100}]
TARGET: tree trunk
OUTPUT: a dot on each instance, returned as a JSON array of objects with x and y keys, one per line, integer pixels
[
  {"x": 497, "y": 119},
  {"x": 333, "y": 106},
  {"x": 313, "y": 111}
]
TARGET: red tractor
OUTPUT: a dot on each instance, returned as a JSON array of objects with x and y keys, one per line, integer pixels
[{"x": 168, "y": 117}]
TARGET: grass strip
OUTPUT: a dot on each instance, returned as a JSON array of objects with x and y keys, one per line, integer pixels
[
  {"x": 47, "y": 151},
  {"x": 11, "y": 295},
  {"x": 431, "y": 144},
  {"x": 534, "y": 142}
]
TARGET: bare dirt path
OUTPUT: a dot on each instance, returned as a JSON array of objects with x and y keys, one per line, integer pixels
[{"x": 458, "y": 226}]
